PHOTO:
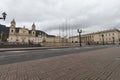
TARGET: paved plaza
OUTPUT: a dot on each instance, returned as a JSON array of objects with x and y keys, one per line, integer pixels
[{"x": 101, "y": 64}]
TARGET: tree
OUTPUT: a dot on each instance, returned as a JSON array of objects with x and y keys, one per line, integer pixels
[{"x": 4, "y": 37}]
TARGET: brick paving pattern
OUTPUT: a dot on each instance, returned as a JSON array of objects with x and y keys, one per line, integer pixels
[{"x": 94, "y": 65}]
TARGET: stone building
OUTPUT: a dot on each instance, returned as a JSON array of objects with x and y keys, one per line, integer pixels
[
  {"x": 104, "y": 37},
  {"x": 25, "y": 36}
]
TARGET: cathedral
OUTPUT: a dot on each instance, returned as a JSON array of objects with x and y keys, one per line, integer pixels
[{"x": 25, "y": 36}]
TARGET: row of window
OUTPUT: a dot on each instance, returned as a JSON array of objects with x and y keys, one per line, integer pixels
[
  {"x": 23, "y": 32},
  {"x": 23, "y": 39},
  {"x": 89, "y": 37},
  {"x": 108, "y": 34},
  {"x": 108, "y": 39}
]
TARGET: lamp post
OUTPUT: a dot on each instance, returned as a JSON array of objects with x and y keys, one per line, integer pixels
[
  {"x": 79, "y": 31},
  {"x": 3, "y": 16},
  {"x": 113, "y": 40},
  {"x": 119, "y": 41},
  {"x": 103, "y": 38}
]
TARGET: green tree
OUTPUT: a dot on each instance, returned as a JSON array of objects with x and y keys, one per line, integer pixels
[{"x": 4, "y": 37}]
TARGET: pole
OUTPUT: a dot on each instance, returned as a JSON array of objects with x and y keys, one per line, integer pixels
[
  {"x": 113, "y": 40},
  {"x": 103, "y": 38},
  {"x": 59, "y": 34},
  {"x": 70, "y": 41},
  {"x": 79, "y": 31},
  {"x": 80, "y": 39}
]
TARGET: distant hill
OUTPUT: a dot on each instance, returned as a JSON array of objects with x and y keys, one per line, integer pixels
[{"x": 4, "y": 29}]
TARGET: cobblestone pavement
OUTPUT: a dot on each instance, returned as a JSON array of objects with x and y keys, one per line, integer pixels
[{"x": 94, "y": 65}]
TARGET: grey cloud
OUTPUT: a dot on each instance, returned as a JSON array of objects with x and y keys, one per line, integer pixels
[{"x": 49, "y": 14}]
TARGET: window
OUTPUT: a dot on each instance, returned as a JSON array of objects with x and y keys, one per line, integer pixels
[
  {"x": 113, "y": 33},
  {"x": 106, "y": 34},
  {"x": 109, "y": 38},
  {"x": 33, "y": 32},
  {"x": 109, "y": 34},
  {"x": 17, "y": 40},
  {"x": 23, "y": 32},
  {"x": 11, "y": 30},
  {"x": 106, "y": 39}
]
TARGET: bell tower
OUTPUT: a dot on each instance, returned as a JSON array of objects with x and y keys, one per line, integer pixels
[
  {"x": 12, "y": 27},
  {"x": 33, "y": 30}
]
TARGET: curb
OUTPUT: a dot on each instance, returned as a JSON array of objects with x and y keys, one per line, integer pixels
[{"x": 30, "y": 48}]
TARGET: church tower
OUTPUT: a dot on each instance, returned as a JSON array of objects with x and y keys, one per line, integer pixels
[
  {"x": 12, "y": 27},
  {"x": 33, "y": 30}
]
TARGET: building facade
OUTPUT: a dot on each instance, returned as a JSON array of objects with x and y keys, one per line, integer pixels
[
  {"x": 23, "y": 35},
  {"x": 104, "y": 37}
]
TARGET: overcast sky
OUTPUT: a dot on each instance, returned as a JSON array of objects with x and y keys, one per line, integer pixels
[{"x": 48, "y": 15}]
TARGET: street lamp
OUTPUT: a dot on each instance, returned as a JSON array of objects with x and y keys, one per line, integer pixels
[
  {"x": 4, "y": 16},
  {"x": 79, "y": 31},
  {"x": 113, "y": 40},
  {"x": 103, "y": 38}
]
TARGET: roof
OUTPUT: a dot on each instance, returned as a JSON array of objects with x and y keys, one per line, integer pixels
[
  {"x": 105, "y": 31},
  {"x": 110, "y": 30}
]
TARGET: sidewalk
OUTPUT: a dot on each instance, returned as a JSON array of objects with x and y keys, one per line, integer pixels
[
  {"x": 28, "y": 48},
  {"x": 101, "y": 64}
]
